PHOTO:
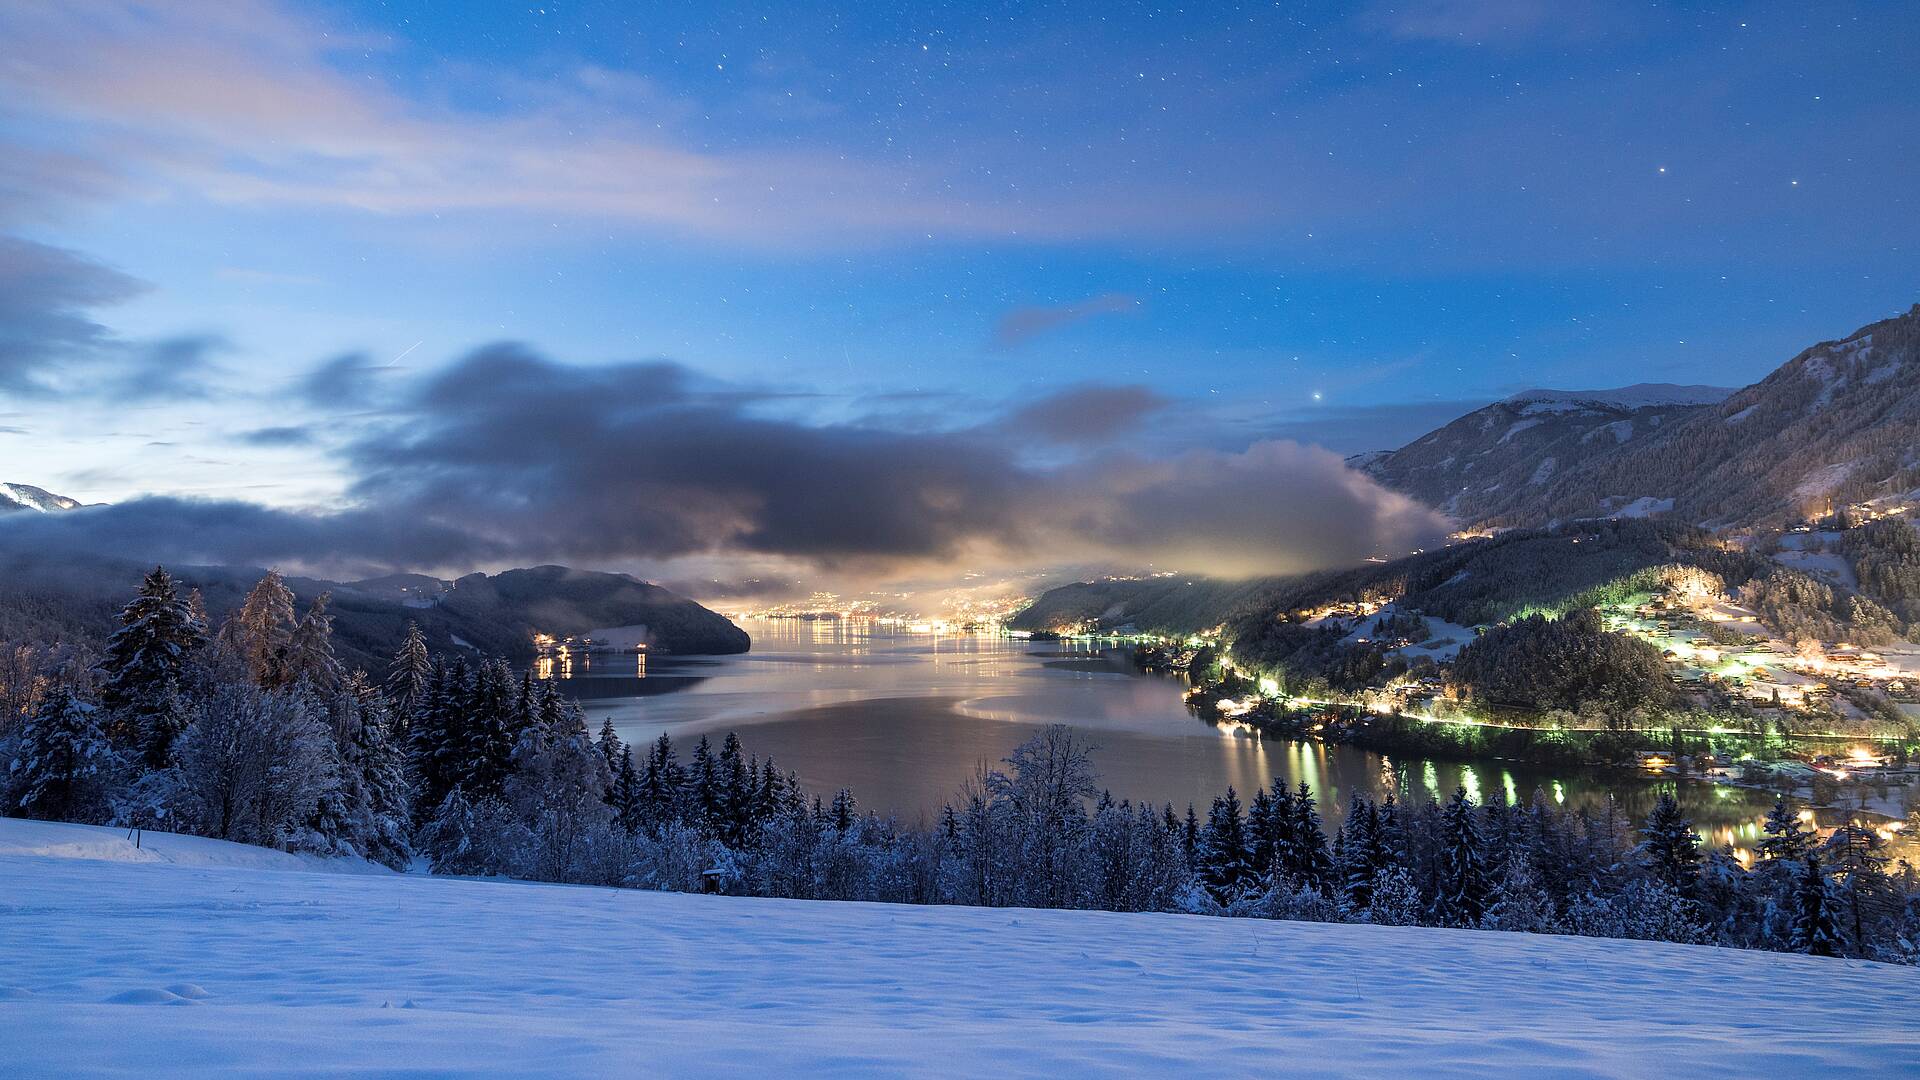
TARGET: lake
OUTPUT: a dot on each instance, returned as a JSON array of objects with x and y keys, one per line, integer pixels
[{"x": 903, "y": 718}]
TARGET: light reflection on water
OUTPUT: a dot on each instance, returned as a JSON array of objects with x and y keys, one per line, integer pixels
[{"x": 903, "y": 718}]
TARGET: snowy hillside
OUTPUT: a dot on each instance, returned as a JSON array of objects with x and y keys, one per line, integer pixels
[
  {"x": 305, "y": 974},
  {"x": 1511, "y": 451},
  {"x": 15, "y": 497},
  {"x": 1637, "y": 396}
]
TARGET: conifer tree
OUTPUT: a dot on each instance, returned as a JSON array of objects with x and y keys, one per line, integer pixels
[
  {"x": 490, "y": 731},
  {"x": 1462, "y": 886},
  {"x": 1225, "y": 862},
  {"x": 843, "y": 810},
  {"x": 1361, "y": 851},
  {"x": 660, "y": 786},
  {"x": 628, "y": 808},
  {"x": 1784, "y": 838},
  {"x": 1670, "y": 850},
  {"x": 704, "y": 789},
  {"x": 609, "y": 745},
  {"x": 260, "y": 629},
  {"x": 1263, "y": 835},
  {"x": 1813, "y": 927},
  {"x": 408, "y": 677},
  {"x": 1312, "y": 863},
  {"x": 310, "y": 657},
  {"x": 144, "y": 663},
  {"x": 62, "y": 754}
]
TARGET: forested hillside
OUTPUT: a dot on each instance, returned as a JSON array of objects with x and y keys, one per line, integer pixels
[
  {"x": 1506, "y": 452},
  {"x": 1837, "y": 424},
  {"x": 1478, "y": 581},
  {"x": 53, "y": 597}
]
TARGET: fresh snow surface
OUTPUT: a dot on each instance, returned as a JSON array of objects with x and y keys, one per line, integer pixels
[
  {"x": 1821, "y": 564},
  {"x": 1637, "y": 396},
  {"x": 58, "y": 839},
  {"x": 1644, "y": 506},
  {"x": 299, "y": 974}
]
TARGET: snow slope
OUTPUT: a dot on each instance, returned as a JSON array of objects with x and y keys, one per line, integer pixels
[
  {"x": 28, "y": 497},
  {"x": 57, "y": 839},
  {"x": 307, "y": 974}
]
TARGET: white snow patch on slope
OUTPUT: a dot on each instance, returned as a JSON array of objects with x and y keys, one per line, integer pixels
[
  {"x": 1821, "y": 481},
  {"x": 1542, "y": 471},
  {"x": 58, "y": 839},
  {"x": 1637, "y": 396},
  {"x": 1825, "y": 565},
  {"x": 1520, "y": 426},
  {"x": 302, "y": 975},
  {"x": 1644, "y": 506},
  {"x": 1743, "y": 413}
]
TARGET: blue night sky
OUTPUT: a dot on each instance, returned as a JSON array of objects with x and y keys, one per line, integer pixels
[{"x": 1334, "y": 223}]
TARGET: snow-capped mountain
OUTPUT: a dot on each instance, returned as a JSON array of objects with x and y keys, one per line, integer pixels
[
  {"x": 1488, "y": 459},
  {"x": 1836, "y": 425},
  {"x": 27, "y": 497}
]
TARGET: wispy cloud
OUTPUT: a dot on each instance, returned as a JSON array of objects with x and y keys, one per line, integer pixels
[
  {"x": 240, "y": 103},
  {"x": 1023, "y": 324}
]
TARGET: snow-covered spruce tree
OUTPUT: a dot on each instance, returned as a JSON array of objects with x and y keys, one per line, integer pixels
[
  {"x": 491, "y": 728},
  {"x": 260, "y": 629},
  {"x": 369, "y": 813},
  {"x": 309, "y": 658},
  {"x": 557, "y": 790},
  {"x": 1729, "y": 902},
  {"x": 437, "y": 741},
  {"x": 629, "y": 810},
  {"x": 145, "y": 663},
  {"x": 704, "y": 794},
  {"x": 1350, "y": 846},
  {"x": 662, "y": 788},
  {"x": 1813, "y": 923},
  {"x": 1307, "y": 860},
  {"x": 408, "y": 678},
  {"x": 1670, "y": 850},
  {"x": 1461, "y": 896},
  {"x": 1224, "y": 864},
  {"x": 252, "y": 766},
  {"x": 1784, "y": 838},
  {"x": 61, "y": 761}
]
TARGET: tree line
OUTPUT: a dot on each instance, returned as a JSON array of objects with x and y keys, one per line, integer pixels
[{"x": 253, "y": 733}]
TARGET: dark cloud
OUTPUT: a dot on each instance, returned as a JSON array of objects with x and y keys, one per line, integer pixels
[
  {"x": 1084, "y": 414},
  {"x": 1023, "y": 324},
  {"x": 172, "y": 369},
  {"x": 344, "y": 382},
  {"x": 226, "y": 532},
  {"x": 508, "y": 457},
  {"x": 277, "y": 436},
  {"x": 45, "y": 296}
]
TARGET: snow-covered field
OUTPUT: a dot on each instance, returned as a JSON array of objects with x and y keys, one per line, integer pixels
[{"x": 280, "y": 970}]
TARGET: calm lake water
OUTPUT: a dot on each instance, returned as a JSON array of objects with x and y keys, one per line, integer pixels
[{"x": 903, "y": 718}]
